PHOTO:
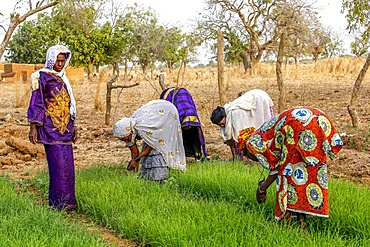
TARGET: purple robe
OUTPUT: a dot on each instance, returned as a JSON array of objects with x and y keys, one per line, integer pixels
[
  {"x": 193, "y": 138},
  {"x": 49, "y": 109}
]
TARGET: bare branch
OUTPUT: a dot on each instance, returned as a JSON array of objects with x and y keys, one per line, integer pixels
[{"x": 18, "y": 19}]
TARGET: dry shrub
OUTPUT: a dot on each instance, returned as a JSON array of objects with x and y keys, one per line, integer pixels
[
  {"x": 22, "y": 94},
  {"x": 98, "y": 102},
  {"x": 339, "y": 67}
]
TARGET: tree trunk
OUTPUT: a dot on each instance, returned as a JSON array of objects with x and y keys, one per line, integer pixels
[
  {"x": 254, "y": 62},
  {"x": 89, "y": 69},
  {"x": 108, "y": 99},
  {"x": 115, "y": 68},
  {"x": 161, "y": 81},
  {"x": 296, "y": 61},
  {"x": 220, "y": 67},
  {"x": 126, "y": 68},
  {"x": 355, "y": 92},
  {"x": 108, "y": 102},
  {"x": 279, "y": 75},
  {"x": 246, "y": 63},
  {"x": 108, "y": 96}
]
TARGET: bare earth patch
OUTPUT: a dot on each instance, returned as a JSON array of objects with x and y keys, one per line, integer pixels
[{"x": 96, "y": 145}]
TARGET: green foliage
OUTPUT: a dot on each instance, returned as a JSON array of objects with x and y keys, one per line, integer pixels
[
  {"x": 24, "y": 222},
  {"x": 134, "y": 36},
  {"x": 30, "y": 43},
  {"x": 213, "y": 204},
  {"x": 360, "y": 46},
  {"x": 357, "y": 14}
]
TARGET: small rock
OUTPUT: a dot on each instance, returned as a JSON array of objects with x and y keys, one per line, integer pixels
[{"x": 5, "y": 161}]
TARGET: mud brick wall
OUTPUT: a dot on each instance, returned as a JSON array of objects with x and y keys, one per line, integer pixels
[
  {"x": 24, "y": 71},
  {"x": 21, "y": 71},
  {"x": 75, "y": 73}
]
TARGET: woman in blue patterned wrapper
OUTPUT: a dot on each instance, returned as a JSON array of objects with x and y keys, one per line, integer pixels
[
  {"x": 294, "y": 146},
  {"x": 52, "y": 117},
  {"x": 157, "y": 124}
]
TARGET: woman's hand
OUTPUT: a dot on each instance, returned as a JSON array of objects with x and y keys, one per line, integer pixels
[
  {"x": 133, "y": 165},
  {"x": 261, "y": 190},
  {"x": 74, "y": 134},
  {"x": 32, "y": 136},
  {"x": 261, "y": 195}
]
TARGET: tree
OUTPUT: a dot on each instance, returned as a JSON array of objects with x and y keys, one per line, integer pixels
[
  {"x": 358, "y": 18},
  {"x": 72, "y": 23},
  {"x": 360, "y": 46},
  {"x": 319, "y": 41},
  {"x": 236, "y": 39},
  {"x": 288, "y": 17},
  {"x": 76, "y": 24},
  {"x": 334, "y": 48},
  {"x": 146, "y": 36},
  {"x": 170, "y": 47},
  {"x": 31, "y": 41},
  {"x": 257, "y": 19},
  {"x": 17, "y": 18}
]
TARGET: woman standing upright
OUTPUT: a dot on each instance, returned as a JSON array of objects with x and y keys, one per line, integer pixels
[{"x": 52, "y": 118}]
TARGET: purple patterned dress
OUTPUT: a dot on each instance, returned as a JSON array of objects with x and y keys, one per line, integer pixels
[
  {"x": 49, "y": 109},
  {"x": 192, "y": 133}
]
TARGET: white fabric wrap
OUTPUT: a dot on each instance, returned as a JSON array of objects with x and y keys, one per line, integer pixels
[
  {"x": 51, "y": 57},
  {"x": 251, "y": 109},
  {"x": 157, "y": 123}
]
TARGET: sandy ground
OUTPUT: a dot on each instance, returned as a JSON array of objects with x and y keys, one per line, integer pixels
[{"x": 96, "y": 143}]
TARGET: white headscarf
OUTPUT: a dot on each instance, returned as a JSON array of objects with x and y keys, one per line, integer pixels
[
  {"x": 251, "y": 109},
  {"x": 158, "y": 124},
  {"x": 51, "y": 58}
]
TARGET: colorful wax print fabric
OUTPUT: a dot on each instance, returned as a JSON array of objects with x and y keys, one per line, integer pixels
[{"x": 296, "y": 144}]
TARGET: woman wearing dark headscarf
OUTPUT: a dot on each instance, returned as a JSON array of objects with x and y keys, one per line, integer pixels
[
  {"x": 249, "y": 110},
  {"x": 192, "y": 133},
  {"x": 52, "y": 117},
  {"x": 294, "y": 146}
]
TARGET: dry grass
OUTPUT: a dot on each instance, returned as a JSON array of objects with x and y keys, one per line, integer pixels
[
  {"x": 326, "y": 85},
  {"x": 22, "y": 94},
  {"x": 98, "y": 103}
]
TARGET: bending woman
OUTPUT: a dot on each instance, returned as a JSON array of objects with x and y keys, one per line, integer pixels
[
  {"x": 249, "y": 110},
  {"x": 157, "y": 124},
  {"x": 294, "y": 146},
  {"x": 192, "y": 134}
]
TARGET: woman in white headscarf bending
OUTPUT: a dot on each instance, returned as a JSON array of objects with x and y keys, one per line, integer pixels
[
  {"x": 157, "y": 124},
  {"x": 251, "y": 109}
]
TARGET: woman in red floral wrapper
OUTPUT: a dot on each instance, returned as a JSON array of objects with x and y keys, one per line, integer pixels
[{"x": 294, "y": 146}]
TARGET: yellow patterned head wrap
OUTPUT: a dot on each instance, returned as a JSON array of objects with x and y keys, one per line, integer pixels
[{"x": 243, "y": 137}]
